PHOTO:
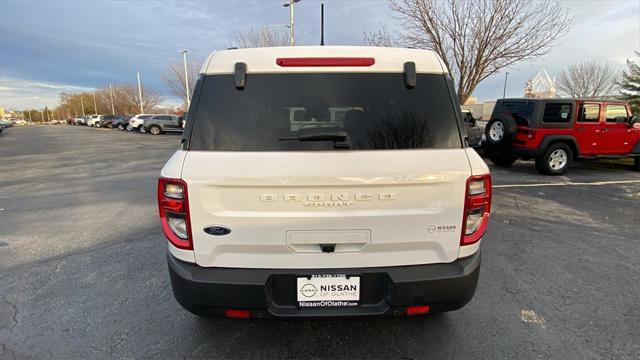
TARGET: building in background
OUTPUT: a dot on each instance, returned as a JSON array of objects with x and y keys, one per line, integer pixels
[{"x": 541, "y": 86}]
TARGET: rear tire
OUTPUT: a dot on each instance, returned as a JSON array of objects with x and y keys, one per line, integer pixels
[
  {"x": 120, "y": 127},
  {"x": 129, "y": 128},
  {"x": 142, "y": 130},
  {"x": 636, "y": 163},
  {"x": 556, "y": 160}
]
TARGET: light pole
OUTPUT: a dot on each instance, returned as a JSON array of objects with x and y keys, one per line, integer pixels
[
  {"x": 504, "y": 90},
  {"x": 140, "y": 93},
  {"x": 95, "y": 104},
  {"x": 82, "y": 104},
  {"x": 186, "y": 77},
  {"x": 291, "y": 30},
  {"x": 113, "y": 111}
]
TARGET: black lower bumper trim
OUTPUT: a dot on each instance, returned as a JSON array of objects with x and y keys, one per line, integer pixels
[{"x": 272, "y": 292}]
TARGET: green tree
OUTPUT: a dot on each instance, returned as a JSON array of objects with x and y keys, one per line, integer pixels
[{"x": 630, "y": 85}]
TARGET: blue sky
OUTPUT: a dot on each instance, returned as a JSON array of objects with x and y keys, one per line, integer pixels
[{"x": 51, "y": 46}]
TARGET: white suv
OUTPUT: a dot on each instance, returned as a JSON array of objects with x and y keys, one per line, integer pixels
[
  {"x": 324, "y": 181},
  {"x": 94, "y": 120},
  {"x": 136, "y": 122}
]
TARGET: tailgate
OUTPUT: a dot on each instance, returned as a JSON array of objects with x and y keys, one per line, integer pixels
[{"x": 326, "y": 209}]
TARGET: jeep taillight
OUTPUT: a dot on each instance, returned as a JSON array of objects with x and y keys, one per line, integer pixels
[
  {"x": 173, "y": 203},
  {"x": 477, "y": 207}
]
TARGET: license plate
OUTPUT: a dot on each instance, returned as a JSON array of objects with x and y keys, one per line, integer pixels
[{"x": 334, "y": 290}]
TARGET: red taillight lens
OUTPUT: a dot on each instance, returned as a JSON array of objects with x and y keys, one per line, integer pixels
[
  {"x": 173, "y": 203},
  {"x": 334, "y": 61},
  {"x": 237, "y": 314},
  {"x": 417, "y": 310},
  {"x": 477, "y": 208}
]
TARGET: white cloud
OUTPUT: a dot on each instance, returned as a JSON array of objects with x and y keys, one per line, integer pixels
[{"x": 21, "y": 93}]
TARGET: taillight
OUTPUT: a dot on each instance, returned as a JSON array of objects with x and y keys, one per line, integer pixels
[
  {"x": 477, "y": 207},
  {"x": 173, "y": 202}
]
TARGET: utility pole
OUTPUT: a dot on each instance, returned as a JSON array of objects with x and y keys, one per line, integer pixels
[
  {"x": 504, "y": 90},
  {"x": 95, "y": 104},
  {"x": 30, "y": 116},
  {"x": 291, "y": 29},
  {"x": 186, "y": 77},
  {"x": 113, "y": 111},
  {"x": 82, "y": 104},
  {"x": 140, "y": 92}
]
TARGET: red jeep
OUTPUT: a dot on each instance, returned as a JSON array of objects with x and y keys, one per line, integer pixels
[{"x": 554, "y": 132}]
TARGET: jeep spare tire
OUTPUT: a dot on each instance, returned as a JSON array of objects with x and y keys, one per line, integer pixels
[{"x": 501, "y": 131}]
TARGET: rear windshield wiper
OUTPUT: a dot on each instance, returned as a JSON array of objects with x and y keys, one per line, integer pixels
[{"x": 338, "y": 137}]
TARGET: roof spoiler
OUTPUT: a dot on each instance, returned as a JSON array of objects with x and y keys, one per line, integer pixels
[
  {"x": 240, "y": 70},
  {"x": 410, "y": 76}
]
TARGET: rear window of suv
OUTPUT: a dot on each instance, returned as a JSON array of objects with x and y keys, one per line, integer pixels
[
  {"x": 521, "y": 111},
  {"x": 281, "y": 112}
]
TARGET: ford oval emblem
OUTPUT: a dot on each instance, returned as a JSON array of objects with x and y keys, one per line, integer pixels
[{"x": 217, "y": 230}]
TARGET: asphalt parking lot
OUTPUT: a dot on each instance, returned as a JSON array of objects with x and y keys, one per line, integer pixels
[{"x": 83, "y": 269}]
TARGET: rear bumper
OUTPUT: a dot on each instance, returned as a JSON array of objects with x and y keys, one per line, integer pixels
[{"x": 384, "y": 291}]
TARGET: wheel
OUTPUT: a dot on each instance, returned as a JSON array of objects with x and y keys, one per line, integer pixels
[
  {"x": 110, "y": 126},
  {"x": 636, "y": 163},
  {"x": 155, "y": 130},
  {"x": 129, "y": 127},
  {"x": 141, "y": 129},
  {"x": 501, "y": 132},
  {"x": 502, "y": 159},
  {"x": 120, "y": 127},
  {"x": 556, "y": 160}
]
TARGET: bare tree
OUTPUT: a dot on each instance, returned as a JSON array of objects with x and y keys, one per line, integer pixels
[
  {"x": 477, "y": 38},
  {"x": 173, "y": 78},
  {"x": 125, "y": 100},
  {"x": 263, "y": 37},
  {"x": 588, "y": 79}
]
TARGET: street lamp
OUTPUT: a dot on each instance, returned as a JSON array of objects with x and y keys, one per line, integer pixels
[
  {"x": 140, "y": 92},
  {"x": 504, "y": 90},
  {"x": 113, "y": 111},
  {"x": 186, "y": 77},
  {"x": 291, "y": 31}
]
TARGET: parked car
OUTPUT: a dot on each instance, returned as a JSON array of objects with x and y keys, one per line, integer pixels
[
  {"x": 158, "y": 124},
  {"x": 79, "y": 121},
  {"x": 120, "y": 122},
  {"x": 475, "y": 127},
  {"x": 94, "y": 120},
  {"x": 20, "y": 122},
  {"x": 106, "y": 121},
  {"x": 4, "y": 123},
  {"x": 53, "y": 122},
  {"x": 555, "y": 132},
  {"x": 135, "y": 123},
  {"x": 264, "y": 219}
]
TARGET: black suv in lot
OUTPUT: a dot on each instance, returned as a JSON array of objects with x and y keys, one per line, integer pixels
[
  {"x": 107, "y": 120},
  {"x": 158, "y": 124}
]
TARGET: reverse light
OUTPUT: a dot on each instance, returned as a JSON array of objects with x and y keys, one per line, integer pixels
[
  {"x": 173, "y": 203},
  {"x": 477, "y": 208},
  {"x": 328, "y": 61}
]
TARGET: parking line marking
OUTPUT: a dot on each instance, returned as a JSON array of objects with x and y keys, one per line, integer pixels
[{"x": 596, "y": 183}]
